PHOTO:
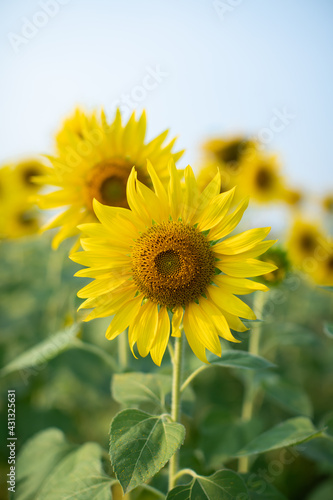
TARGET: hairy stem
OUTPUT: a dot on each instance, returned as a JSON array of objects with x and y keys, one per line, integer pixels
[
  {"x": 249, "y": 389},
  {"x": 176, "y": 402},
  {"x": 123, "y": 351}
]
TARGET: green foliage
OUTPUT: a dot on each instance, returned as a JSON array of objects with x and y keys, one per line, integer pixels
[
  {"x": 288, "y": 395},
  {"x": 242, "y": 359},
  {"x": 49, "y": 467},
  {"x": 223, "y": 485},
  {"x": 141, "y": 444},
  {"x": 289, "y": 433},
  {"x": 39, "y": 355}
]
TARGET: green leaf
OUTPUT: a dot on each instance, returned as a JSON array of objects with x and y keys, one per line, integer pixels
[
  {"x": 288, "y": 433},
  {"x": 79, "y": 477},
  {"x": 285, "y": 334},
  {"x": 49, "y": 467},
  {"x": 140, "y": 445},
  {"x": 41, "y": 353},
  {"x": 150, "y": 392},
  {"x": 135, "y": 389},
  {"x": 328, "y": 329},
  {"x": 242, "y": 359},
  {"x": 223, "y": 485},
  {"x": 287, "y": 395},
  {"x": 37, "y": 459}
]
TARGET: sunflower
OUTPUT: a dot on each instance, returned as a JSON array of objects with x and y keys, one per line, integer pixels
[
  {"x": 18, "y": 217},
  {"x": 327, "y": 203},
  {"x": 77, "y": 125},
  {"x": 260, "y": 178},
  {"x": 95, "y": 160},
  {"x": 323, "y": 271},
  {"x": 168, "y": 256},
  {"x": 26, "y": 171},
  {"x": 278, "y": 256},
  {"x": 226, "y": 154},
  {"x": 304, "y": 242}
]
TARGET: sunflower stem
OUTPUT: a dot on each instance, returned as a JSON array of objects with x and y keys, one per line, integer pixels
[
  {"x": 123, "y": 351},
  {"x": 250, "y": 389},
  {"x": 176, "y": 403}
]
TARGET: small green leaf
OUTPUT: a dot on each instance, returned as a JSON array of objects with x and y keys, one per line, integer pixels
[
  {"x": 140, "y": 445},
  {"x": 288, "y": 433},
  {"x": 135, "y": 389},
  {"x": 242, "y": 359},
  {"x": 223, "y": 485},
  {"x": 287, "y": 395},
  {"x": 41, "y": 353}
]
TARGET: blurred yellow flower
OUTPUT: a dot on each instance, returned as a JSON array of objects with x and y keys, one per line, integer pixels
[
  {"x": 322, "y": 273},
  {"x": 328, "y": 203},
  {"x": 226, "y": 154},
  {"x": 260, "y": 178},
  {"x": 18, "y": 216},
  {"x": 26, "y": 171},
  {"x": 95, "y": 160},
  {"x": 169, "y": 254},
  {"x": 303, "y": 241}
]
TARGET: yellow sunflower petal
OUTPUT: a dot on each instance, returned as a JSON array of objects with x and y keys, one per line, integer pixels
[
  {"x": 177, "y": 318},
  {"x": 216, "y": 210},
  {"x": 246, "y": 268},
  {"x": 193, "y": 339},
  {"x": 146, "y": 327},
  {"x": 242, "y": 242},
  {"x": 161, "y": 338},
  {"x": 123, "y": 318},
  {"x": 175, "y": 191},
  {"x": 229, "y": 223},
  {"x": 238, "y": 286},
  {"x": 204, "y": 329},
  {"x": 218, "y": 319},
  {"x": 230, "y": 303}
]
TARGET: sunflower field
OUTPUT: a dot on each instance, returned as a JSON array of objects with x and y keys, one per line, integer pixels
[{"x": 166, "y": 329}]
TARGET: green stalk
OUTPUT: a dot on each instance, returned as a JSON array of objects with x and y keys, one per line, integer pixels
[
  {"x": 249, "y": 389},
  {"x": 123, "y": 351},
  {"x": 176, "y": 403}
]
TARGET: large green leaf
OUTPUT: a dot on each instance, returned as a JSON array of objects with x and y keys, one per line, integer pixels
[
  {"x": 223, "y": 485},
  {"x": 78, "y": 477},
  {"x": 37, "y": 356},
  {"x": 49, "y": 467},
  {"x": 141, "y": 444},
  {"x": 287, "y": 395},
  {"x": 288, "y": 433},
  {"x": 37, "y": 459},
  {"x": 242, "y": 359}
]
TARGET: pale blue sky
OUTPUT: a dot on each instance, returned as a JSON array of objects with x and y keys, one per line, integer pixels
[{"x": 219, "y": 72}]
